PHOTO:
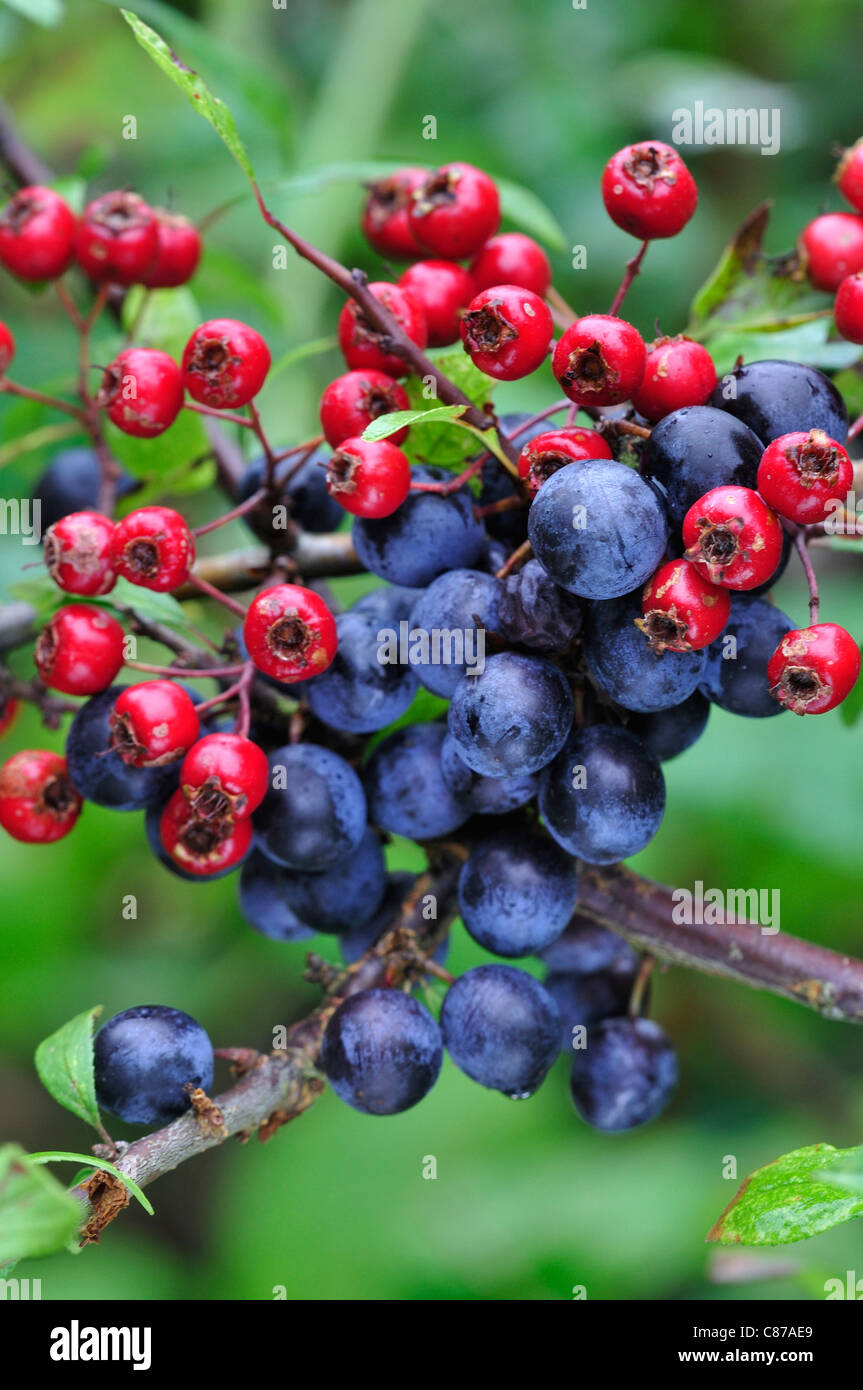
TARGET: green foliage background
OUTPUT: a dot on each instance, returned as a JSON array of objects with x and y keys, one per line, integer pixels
[{"x": 528, "y": 1203}]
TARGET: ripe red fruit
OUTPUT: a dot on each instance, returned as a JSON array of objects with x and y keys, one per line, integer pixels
[
  {"x": 511, "y": 259},
  {"x": 153, "y": 547},
  {"x": 290, "y": 633},
  {"x": 546, "y": 453},
  {"x": 600, "y": 360},
  {"x": 678, "y": 372},
  {"x": 224, "y": 775},
  {"x": 386, "y": 221},
  {"x": 142, "y": 391},
  {"x": 733, "y": 538},
  {"x": 455, "y": 210},
  {"x": 153, "y": 723},
  {"x": 849, "y": 175},
  {"x": 80, "y": 650},
  {"x": 225, "y": 364},
  {"x": 37, "y": 234},
  {"x": 848, "y": 308},
  {"x": 799, "y": 474},
  {"x": 200, "y": 846},
  {"x": 8, "y": 711},
  {"x": 831, "y": 247},
  {"x": 443, "y": 289},
  {"x": 7, "y": 348},
  {"x": 648, "y": 190},
  {"x": 814, "y": 668},
  {"x": 117, "y": 238},
  {"x": 682, "y": 611},
  {"x": 178, "y": 250},
  {"x": 38, "y": 803},
  {"x": 369, "y": 479},
  {"x": 353, "y": 400},
  {"x": 360, "y": 342},
  {"x": 507, "y": 332},
  {"x": 78, "y": 553}
]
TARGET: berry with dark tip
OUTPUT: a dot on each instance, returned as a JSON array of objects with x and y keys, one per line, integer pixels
[
  {"x": 507, "y": 332},
  {"x": 516, "y": 893},
  {"x": 533, "y": 612},
  {"x": 79, "y": 555},
  {"x": 428, "y": 534},
  {"x": 369, "y": 478},
  {"x": 38, "y": 803},
  {"x": 301, "y": 495},
  {"x": 353, "y": 400},
  {"x": 178, "y": 251},
  {"x": 814, "y": 668},
  {"x": 203, "y": 847},
  {"x": 314, "y": 812},
  {"x": 360, "y": 693},
  {"x": 484, "y": 796},
  {"x": 145, "y": 1062},
  {"x": 848, "y": 308},
  {"x": 406, "y": 788},
  {"x": 681, "y": 610},
  {"x": 733, "y": 538},
  {"x": 511, "y": 259},
  {"x": 290, "y": 633},
  {"x": 624, "y": 666},
  {"x": 455, "y": 211},
  {"x": 625, "y": 1076},
  {"x": 154, "y": 548},
  {"x": 225, "y": 364},
  {"x": 263, "y": 902},
  {"x": 600, "y": 360},
  {"x": 501, "y": 1027},
  {"x": 603, "y": 797},
  {"x": 546, "y": 453},
  {"x": 679, "y": 372},
  {"x": 449, "y": 626},
  {"x": 774, "y": 397},
  {"x": 648, "y": 190},
  {"x": 224, "y": 774},
  {"x": 444, "y": 290},
  {"x": 696, "y": 449},
  {"x": 586, "y": 948},
  {"x": 801, "y": 473},
  {"x": 99, "y": 774},
  {"x": 117, "y": 238},
  {"x": 831, "y": 247},
  {"x": 362, "y": 344},
  {"x": 37, "y": 234},
  {"x": 79, "y": 650},
  {"x": 382, "y": 1051},
  {"x": 513, "y": 717},
  {"x": 735, "y": 677},
  {"x": 669, "y": 732},
  {"x": 153, "y": 723},
  {"x": 386, "y": 216},
  {"x": 585, "y": 999},
  {"x": 142, "y": 392}
]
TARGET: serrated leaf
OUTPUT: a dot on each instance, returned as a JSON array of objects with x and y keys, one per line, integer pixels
[
  {"x": 61, "y": 1156},
  {"x": 37, "y": 1215},
  {"x": 396, "y": 420},
  {"x": 180, "y": 445},
  {"x": 198, "y": 93},
  {"x": 47, "y": 13},
  {"x": 64, "y": 1062},
  {"x": 790, "y": 1199}
]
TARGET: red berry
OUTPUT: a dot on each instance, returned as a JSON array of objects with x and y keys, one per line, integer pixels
[
  {"x": 600, "y": 360},
  {"x": 814, "y": 668},
  {"x": 360, "y": 342},
  {"x": 353, "y": 400},
  {"x": 546, "y": 453},
  {"x": 369, "y": 479},
  {"x": 202, "y": 846},
  {"x": 7, "y": 348},
  {"x": 224, "y": 775},
  {"x": 799, "y": 474},
  {"x": 831, "y": 247},
  {"x": 153, "y": 723},
  {"x": 443, "y": 289},
  {"x": 386, "y": 222},
  {"x": 679, "y": 372},
  {"x": 290, "y": 633},
  {"x": 142, "y": 391},
  {"x": 78, "y": 553},
  {"x": 848, "y": 308},
  {"x": 507, "y": 332},
  {"x": 512, "y": 259},
  {"x": 38, "y": 803},
  {"x": 648, "y": 190},
  {"x": 178, "y": 250},
  {"x": 153, "y": 547},
  {"x": 455, "y": 211},
  {"x": 682, "y": 611},
  {"x": 37, "y": 234},
  {"x": 80, "y": 650},
  {"x": 733, "y": 538},
  {"x": 849, "y": 175},
  {"x": 8, "y": 711},
  {"x": 225, "y": 364},
  {"x": 117, "y": 238}
]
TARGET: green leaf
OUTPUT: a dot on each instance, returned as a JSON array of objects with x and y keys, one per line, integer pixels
[
  {"x": 847, "y": 1174},
  {"x": 58, "y": 1156},
  {"x": 163, "y": 319},
  {"x": 299, "y": 354},
  {"x": 424, "y": 708},
  {"x": 849, "y": 384},
  {"x": 48, "y": 13},
  {"x": 180, "y": 445},
  {"x": 64, "y": 1062},
  {"x": 437, "y": 442},
  {"x": 197, "y": 92},
  {"x": 160, "y": 608},
  {"x": 851, "y": 707},
  {"x": 223, "y": 275},
  {"x": 804, "y": 342},
  {"x": 790, "y": 1199},
  {"x": 396, "y": 420},
  {"x": 37, "y": 1215},
  {"x": 530, "y": 214},
  {"x": 73, "y": 189}
]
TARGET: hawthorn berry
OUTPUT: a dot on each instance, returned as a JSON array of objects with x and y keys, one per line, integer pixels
[
  {"x": 38, "y": 803},
  {"x": 117, "y": 238},
  {"x": 8, "y": 711},
  {"x": 153, "y": 724},
  {"x": 225, "y": 364},
  {"x": 848, "y": 308},
  {"x": 600, "y": 360},
  {"x": 678, "y": 372},
  {"x": 814, "y": 668},
  {"x": 648, "y": 190},
  {"x": 153, "y": 547},
  {"x": 7, "y": 348},
  {"x": 799, "y": 474},
  {"x": 290, "y": 633},
  {"x": 443, "y": 289},
  {"x": 37, "y": 234},
  {"x": 223, "y": 775},
  {"x": 202, "y": 847},
  {"x": 849, "y": 175},
  {"x": 142, "y": 391},
  {"x": 507, "y": 332},
  {"x": 831, "y": 247},
  {"x": 455, "y": 211},
  {"x": 368, "y": 478},
  {"x": 80, "y": 650},
  {"x": 78, "y": 553},
  {"x": 361, "y": 342},
  {"x": 353, "y": 400},
  {"x": 178, "y": 251},
  {"x": 733, "y": 538},
  {"x": 546, "y": 453},
  {"x": 681, "y": 610},
  {"x": 511, "y": 259},
  {"x": 386, "y": 216}
]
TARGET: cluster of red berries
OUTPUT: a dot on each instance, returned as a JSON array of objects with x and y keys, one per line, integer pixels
[{"x": 831, "y": 248}]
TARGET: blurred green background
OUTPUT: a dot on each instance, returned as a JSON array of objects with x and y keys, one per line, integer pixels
[{"x": 527, "y": 1203}]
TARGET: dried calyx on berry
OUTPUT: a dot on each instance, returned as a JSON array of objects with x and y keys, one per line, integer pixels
[
  {"x": 290, "y": 633},
  {"x": 202, "y": 846},
  {"x": 814, "y": 668},
  {"x": 38, "y": 803},
  {"x": 800, "y": 474},
  {"x": 507, "y": 331},
  {"x": 600, "y": 360},
  {"x": 117, "y": 238},
  {"x": 733, "y": 538},
  {"x": 681, "y": 610}
]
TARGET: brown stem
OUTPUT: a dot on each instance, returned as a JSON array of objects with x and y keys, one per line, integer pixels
[
  {"x": 633, "y": 266},
  {"x": 801, "y": 542},
  {"x": 227, "y": 417},
  {"x": 12, "y": 388},
  {"x": 235, "y": 512},
  {"x": 518, "y": 558},
  {"x": 198, "y": 581},
  {"x": 17, "y": 156}
]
